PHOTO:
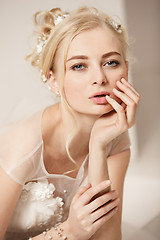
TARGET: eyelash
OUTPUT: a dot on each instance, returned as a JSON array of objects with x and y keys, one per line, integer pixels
[
  {"x": 115, "y": 62},
  {"x": 76, "y": 69},
  {"x": 109, "y": 63}
]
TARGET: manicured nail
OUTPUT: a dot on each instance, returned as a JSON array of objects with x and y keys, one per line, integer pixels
[
  {"x": 88, "y": 185},
  {"x": 108, "y": 182},
  {"x": 114, "y": 89},
  {"x": 118, "y": 82},
  {"x": 116, "y": 192},
  {"x": 123, "y": 80}
]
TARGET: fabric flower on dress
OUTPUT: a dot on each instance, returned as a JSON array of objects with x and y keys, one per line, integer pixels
[{"x": 37, "y": 207}]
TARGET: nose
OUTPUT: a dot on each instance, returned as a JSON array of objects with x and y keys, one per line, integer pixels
[{"x": 98, "y": 77}]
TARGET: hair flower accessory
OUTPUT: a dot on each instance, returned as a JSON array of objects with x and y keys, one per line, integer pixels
[
  {"x": 43, "y": 77},
  {"x": 58, "y": 19},
  {"x": 116, "y": 26},
  {"x": 42, "y": 40}
]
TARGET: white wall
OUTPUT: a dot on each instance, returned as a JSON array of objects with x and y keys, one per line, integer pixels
[
  {"x": 142, "y": 195},
  {"x": 143, "y": 21}
]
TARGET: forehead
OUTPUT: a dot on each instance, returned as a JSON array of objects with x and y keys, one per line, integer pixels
[{"x": 96, "y": 42}]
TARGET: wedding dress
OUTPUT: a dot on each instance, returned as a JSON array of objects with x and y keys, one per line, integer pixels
[{"x": 45, "y": 198}]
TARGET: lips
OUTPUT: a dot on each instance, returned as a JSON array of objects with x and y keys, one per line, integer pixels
[
  {"x": 100, "y": 94},
  {"x": 99, "y": 97}
]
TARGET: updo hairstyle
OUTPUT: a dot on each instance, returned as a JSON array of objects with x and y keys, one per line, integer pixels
[{"x": 51, "y": 35}]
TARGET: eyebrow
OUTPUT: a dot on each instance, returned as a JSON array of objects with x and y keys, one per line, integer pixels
[{"x": 85, "y": 57}]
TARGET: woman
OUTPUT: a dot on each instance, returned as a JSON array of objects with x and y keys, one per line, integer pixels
[{"x": 63, "y": 168}]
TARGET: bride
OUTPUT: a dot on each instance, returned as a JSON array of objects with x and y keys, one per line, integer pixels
[{"x": 63, "y": 168}]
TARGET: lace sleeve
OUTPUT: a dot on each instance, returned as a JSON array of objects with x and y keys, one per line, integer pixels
[
  {"x": 20, "y": 148},
  {"x": 120, "y": 144}
]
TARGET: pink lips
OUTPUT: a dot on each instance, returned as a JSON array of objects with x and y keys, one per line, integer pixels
[{"x": 99, "y": 97}]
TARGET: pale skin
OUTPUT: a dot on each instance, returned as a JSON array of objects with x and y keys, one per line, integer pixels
[{"x": 88, "y": 70}]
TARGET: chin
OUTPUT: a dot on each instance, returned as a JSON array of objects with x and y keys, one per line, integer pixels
[
  {"x": 102, "y": 109},
  {"x": 96, "y": 110}
]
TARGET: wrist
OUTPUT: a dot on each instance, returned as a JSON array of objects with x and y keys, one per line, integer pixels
[
  {"x": 68, "y": 231},
  {"x": 96, "y": 145},
  {"x": 96, "y": 150}
]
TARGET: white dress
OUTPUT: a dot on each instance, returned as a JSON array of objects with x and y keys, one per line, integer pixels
[{"x": 45, "y": 198}]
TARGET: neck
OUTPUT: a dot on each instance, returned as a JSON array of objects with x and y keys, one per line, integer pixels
[{"x": 80, "y": 127}]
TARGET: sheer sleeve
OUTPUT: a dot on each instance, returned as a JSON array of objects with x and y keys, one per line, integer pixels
[
  {"x": 120, "y": 144},
  {"x": 20, "y": 148}
]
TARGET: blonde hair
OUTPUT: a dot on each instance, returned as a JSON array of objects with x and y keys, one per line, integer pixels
[{"x": 85, "y": 18}]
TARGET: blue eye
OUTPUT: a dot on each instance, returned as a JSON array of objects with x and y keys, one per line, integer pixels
[
  {"x": 78, "y": 67},
  {"x": 112, "y": 63}
]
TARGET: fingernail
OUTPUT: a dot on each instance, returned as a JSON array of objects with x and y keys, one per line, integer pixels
[
  {"x": 118, "y": 200},
  {"x": 88, "y": 185},
  {"x": 114, "y": 89},
  {"x": 118, "y": 82},
  {"x": 108, "y": 182}
]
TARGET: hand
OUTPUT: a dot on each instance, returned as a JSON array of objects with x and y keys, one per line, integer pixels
[
  {"x": 123, "y": 117},
  {"x": 86, "y": 216}
]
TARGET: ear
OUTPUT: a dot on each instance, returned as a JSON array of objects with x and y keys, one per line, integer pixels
[{"x": 53, "y": 84}]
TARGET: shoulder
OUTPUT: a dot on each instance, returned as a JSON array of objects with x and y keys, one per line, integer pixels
[
  {"x": 19, "y": 141},
  {"x": 22, "y": 131}
]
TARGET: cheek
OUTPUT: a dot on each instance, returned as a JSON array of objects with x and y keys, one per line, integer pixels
[
  {"x": 118, "y": 75},
  {"x": 121, "y": 73},
  {"x": 72, "y": 88}
]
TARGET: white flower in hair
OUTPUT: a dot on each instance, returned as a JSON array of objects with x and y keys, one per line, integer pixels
[
  {"x": 59, "y": 19},
  {"x": 116, "y": 26},
  {"x": 42, "y": 40}
]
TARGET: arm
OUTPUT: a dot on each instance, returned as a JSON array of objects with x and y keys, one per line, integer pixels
[
  {"x": 93, "y": 209},
  {"x": 105, "y": 129},
  {"x": 10, "y": 192},
  {"x": 117, "y": 166}
]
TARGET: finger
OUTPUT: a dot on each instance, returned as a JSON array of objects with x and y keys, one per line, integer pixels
[
  {"x": 97, "y": 224},
  {"x": 100, "y": 201},
  {"x": 103, "y": 210},
  {"x": 125, "y": 98},
  {"x": 130, "y": 86},
  {"x": 130, "y": 111},
  {"x": 128, "y": 91},
  {"x": 86, "y": 197},
  {"x": 80, "y": 191},
  {"x": 117, "y": 107},
  {"x": 123, "y": 105}
]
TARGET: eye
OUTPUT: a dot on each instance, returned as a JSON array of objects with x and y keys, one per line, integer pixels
[
  {"x": 113, "y": 63},
  {"x": 78, "y": 67}
]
